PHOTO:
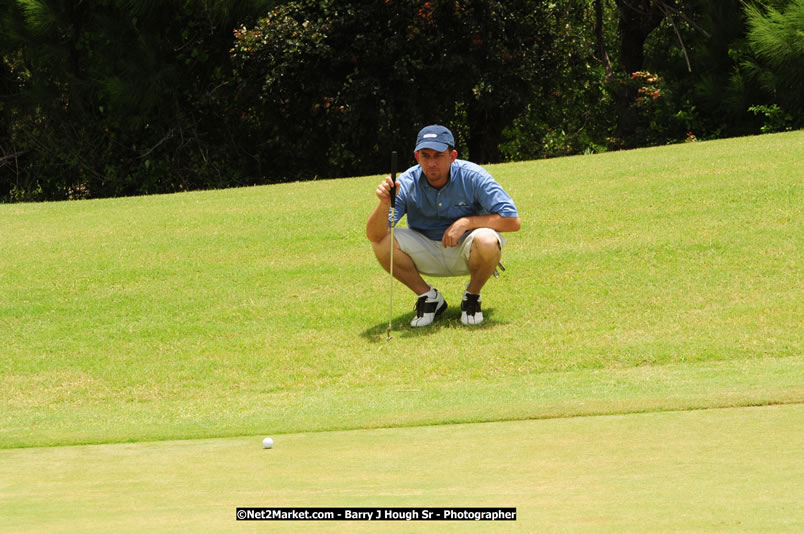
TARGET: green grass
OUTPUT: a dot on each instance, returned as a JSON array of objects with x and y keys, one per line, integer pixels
[
  {"x": 733, "y": 470},
  {"x": 640, "y": 368},
  {"x": 80, "y": 415},
  {"x": 199, "y": 314}
]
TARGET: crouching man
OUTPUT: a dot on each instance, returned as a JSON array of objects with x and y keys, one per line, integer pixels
[{"x": 456, "y": 212}]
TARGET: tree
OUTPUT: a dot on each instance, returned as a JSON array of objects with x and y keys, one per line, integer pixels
[
  {"x": 702, "y": 92},
  {"x": 776, "y": 39},
  {"x": 637, "y": 19},
  {"x": 712, "y": 77},
  {"x": 570, "y": 111},
  {"x": 131, "y": 96},
  {"x": 335, "y": 85},
  {"x": 116, "y": 97}
]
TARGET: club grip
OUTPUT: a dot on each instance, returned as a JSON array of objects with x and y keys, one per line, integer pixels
[{"x": 393, "y": 178}]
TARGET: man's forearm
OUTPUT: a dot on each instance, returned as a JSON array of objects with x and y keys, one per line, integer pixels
[
  {"x": 494, "y": 221},
  {"x": 377, "y": 225},
  {"x": 466, "y": 224}
]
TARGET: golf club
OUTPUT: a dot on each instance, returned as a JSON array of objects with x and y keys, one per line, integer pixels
[{"x": 393, "y": 245}]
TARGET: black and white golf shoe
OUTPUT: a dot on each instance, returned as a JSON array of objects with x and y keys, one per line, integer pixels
[
  {"x": 470, "y": 309},
  {"x": 428, "y": 307}
]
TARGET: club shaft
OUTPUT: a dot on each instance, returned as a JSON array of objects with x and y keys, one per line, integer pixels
[{"x": 393, "y": 246}]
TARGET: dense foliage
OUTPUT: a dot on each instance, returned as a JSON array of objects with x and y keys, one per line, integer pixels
[
  {"x": 125, "y": 97},
  {"x": 115, "y": 97},
  {"x": 330, "y": 91}
]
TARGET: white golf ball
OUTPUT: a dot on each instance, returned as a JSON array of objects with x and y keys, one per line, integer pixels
[{"x": 267, "y": 443}]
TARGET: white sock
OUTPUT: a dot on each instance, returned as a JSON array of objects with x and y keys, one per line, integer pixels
[{"x": 429, "y": 293}]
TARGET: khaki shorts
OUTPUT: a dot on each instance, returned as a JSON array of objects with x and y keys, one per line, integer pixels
[{"x": 432, "y": 258}]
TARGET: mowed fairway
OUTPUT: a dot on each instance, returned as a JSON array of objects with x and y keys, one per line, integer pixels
[
  {"x": 728, "y": 470},
  {"x": 641, "y": 367}
]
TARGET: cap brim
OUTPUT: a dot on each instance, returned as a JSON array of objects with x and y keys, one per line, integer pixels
[{"x": 438, "y": 147}]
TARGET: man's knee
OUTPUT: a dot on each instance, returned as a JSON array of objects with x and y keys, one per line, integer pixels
[{"x": 485, "y": 247}]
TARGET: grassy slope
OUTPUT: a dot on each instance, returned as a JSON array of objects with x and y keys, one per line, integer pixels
[{"x": 262, "y": 310}]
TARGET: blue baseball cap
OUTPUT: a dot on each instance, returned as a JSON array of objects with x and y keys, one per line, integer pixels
[{"x": 435, "y": 137}]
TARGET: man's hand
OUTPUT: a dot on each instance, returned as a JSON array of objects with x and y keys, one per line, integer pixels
[
  {"x": 377, "y": 226},
  {"x": 455, "y": 232},
  {"x": 384, "y": 191}
]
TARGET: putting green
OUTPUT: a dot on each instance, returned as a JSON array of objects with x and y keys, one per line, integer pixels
[{"x": 725, "y": 470}]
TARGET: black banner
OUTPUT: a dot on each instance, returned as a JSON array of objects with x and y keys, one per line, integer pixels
[{"x": 376, "y": 514}]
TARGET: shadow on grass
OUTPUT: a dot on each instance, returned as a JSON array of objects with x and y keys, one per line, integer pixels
[{"x": 402, "y": 329}]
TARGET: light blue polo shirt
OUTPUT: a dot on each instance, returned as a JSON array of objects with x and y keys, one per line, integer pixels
[{"x": 470, "y": 191}]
